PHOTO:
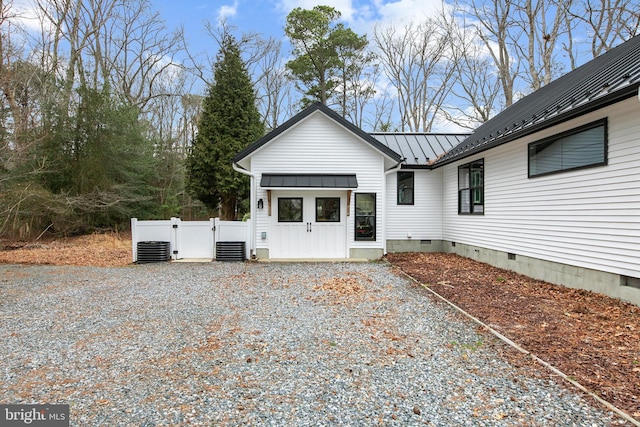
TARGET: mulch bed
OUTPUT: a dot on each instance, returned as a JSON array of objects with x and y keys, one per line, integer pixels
[{"x": 592, "y": 338}]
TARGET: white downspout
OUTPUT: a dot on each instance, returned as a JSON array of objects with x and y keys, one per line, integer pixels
[
  {"x": 253, "y": 212},
  {"x": 396, "y": 168}
]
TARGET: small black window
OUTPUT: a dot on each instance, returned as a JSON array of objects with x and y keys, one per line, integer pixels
[
  {"x": 471, "y": 188},
  {"x": 405, "y": 188},
  {"x": 289, "y": 209},
  {"x": 365, "y": 216},
  {"x": 583, "y": 147},
  {"x": 328, "y": 209}
]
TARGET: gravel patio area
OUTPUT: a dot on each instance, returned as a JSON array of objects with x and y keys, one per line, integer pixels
[{"x": 259, "y": 344}]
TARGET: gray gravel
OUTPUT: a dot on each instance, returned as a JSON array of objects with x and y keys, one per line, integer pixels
[{"x": 259, "y": 344}]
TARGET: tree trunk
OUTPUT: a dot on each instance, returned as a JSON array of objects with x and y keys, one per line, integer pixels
[{"x": 228, "y": 208}]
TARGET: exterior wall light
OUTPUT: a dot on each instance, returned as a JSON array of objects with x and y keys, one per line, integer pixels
[{"x": 260, "y": 204}]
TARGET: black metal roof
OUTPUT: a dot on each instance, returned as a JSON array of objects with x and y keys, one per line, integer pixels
[
  {"x": 300, "y": 180},
  {"x": 307, "y": 112},
  {"x": 612, "y": 77},
  {"x": 420, "y": 149}
]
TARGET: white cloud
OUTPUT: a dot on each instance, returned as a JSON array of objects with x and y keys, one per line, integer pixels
[
  {"x": 227, "y": 11},
  {"x": 406, "y": 10},
  {"x": 361, "y": 15},
  {"x": 26, "y": 15}
]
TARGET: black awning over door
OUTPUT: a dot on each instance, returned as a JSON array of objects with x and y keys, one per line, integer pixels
[{"x": 270, "y": 180}]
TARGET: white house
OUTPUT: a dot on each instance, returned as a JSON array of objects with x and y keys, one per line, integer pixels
[{"x": 550, "y": 187}]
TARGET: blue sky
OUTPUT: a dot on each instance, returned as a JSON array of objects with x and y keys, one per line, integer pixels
[{"x": 267, "y": 17}]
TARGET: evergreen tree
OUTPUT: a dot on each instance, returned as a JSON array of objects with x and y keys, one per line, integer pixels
[
  {"x": 229, "y": 122},
  {"x": 329, "y": 59},
  {"x": 91, "y": 168}
]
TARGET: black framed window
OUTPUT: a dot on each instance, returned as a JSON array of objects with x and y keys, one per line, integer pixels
[
  {"x": 405, "y": 188},
  {"x": 365, "y": 216},
  {"x": 579, "y": 148},
  {"x": 289, "y": 209},
  {"x": 328, "y": 209},
  {"x": 471, "y": 188}
]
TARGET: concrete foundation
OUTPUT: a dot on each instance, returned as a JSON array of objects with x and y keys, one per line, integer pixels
[
  {"x": 356, "y": 255},
  {"x": 371, "y": 254},
  {"x": 262, "y": 253},
  {"x": 412, "y": 245}
]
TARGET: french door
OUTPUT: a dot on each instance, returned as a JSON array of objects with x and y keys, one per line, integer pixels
[{"x": 308, "y": 224}]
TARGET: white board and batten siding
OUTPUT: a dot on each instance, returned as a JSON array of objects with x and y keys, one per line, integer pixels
[
  {"x": 319, "y": 145},
  {"x": 588, "y": 218},
  {"x": 423, "y": 219}
]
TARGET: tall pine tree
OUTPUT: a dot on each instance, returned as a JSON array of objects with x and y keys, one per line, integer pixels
[{"x": 229, "y": 122}]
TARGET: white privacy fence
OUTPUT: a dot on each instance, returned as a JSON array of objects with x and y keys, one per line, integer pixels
[{"x": 190, "y": 239}]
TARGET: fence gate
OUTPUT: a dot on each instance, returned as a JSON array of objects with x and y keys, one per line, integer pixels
[
  {"x": 195, "y": 239},
  {"x": 190, "y": 239}
]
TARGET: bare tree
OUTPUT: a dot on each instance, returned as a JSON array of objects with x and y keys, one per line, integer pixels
[
  {"x": 493, "y": 23},
  {"x": 475, "y": 94},
  {"x": 141, "y": 55},
  {"x": 23, "y": 87},
  {"x": 76, "y": 24},
  {"x": 606, "y": 23},
  {"x": 381, "y": 118},
  {"x": 359, "y": 91},
  {"x": 12, "y": 120},
  {"x": 415, "y": 61},
  {"x": 543, "y": 23},
  {"x": 273, "y": 87},
  {"x": 526, "y": 37}
]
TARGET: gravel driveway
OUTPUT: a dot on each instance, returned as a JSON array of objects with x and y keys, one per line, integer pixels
[{"x": 258, "y": 344}]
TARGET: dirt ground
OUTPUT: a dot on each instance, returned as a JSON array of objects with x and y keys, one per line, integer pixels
[
  {"x": 592, "y": 338},
  {"x": 100, "y": 250}
]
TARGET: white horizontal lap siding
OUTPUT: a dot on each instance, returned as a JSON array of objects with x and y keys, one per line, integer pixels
[
  {"x": 262, "y": 215},
  {"x": 423, "y": 219},
  {"x": 588, "y": 218},
  {"x": 319, "y": 145}
]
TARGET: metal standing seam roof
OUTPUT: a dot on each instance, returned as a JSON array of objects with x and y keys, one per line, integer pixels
[
  {"x": 271, "y": 180},
  {"x": 611, "y": 77},
  {"x": 420, "y": 149}
]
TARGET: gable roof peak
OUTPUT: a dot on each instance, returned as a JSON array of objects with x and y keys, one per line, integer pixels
[{"x": 306, "y": 112}]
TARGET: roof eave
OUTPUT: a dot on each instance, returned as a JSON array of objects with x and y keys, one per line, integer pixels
[
  {"x": 416, "y": 167},
  {"x": 618, "y": 96}
]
